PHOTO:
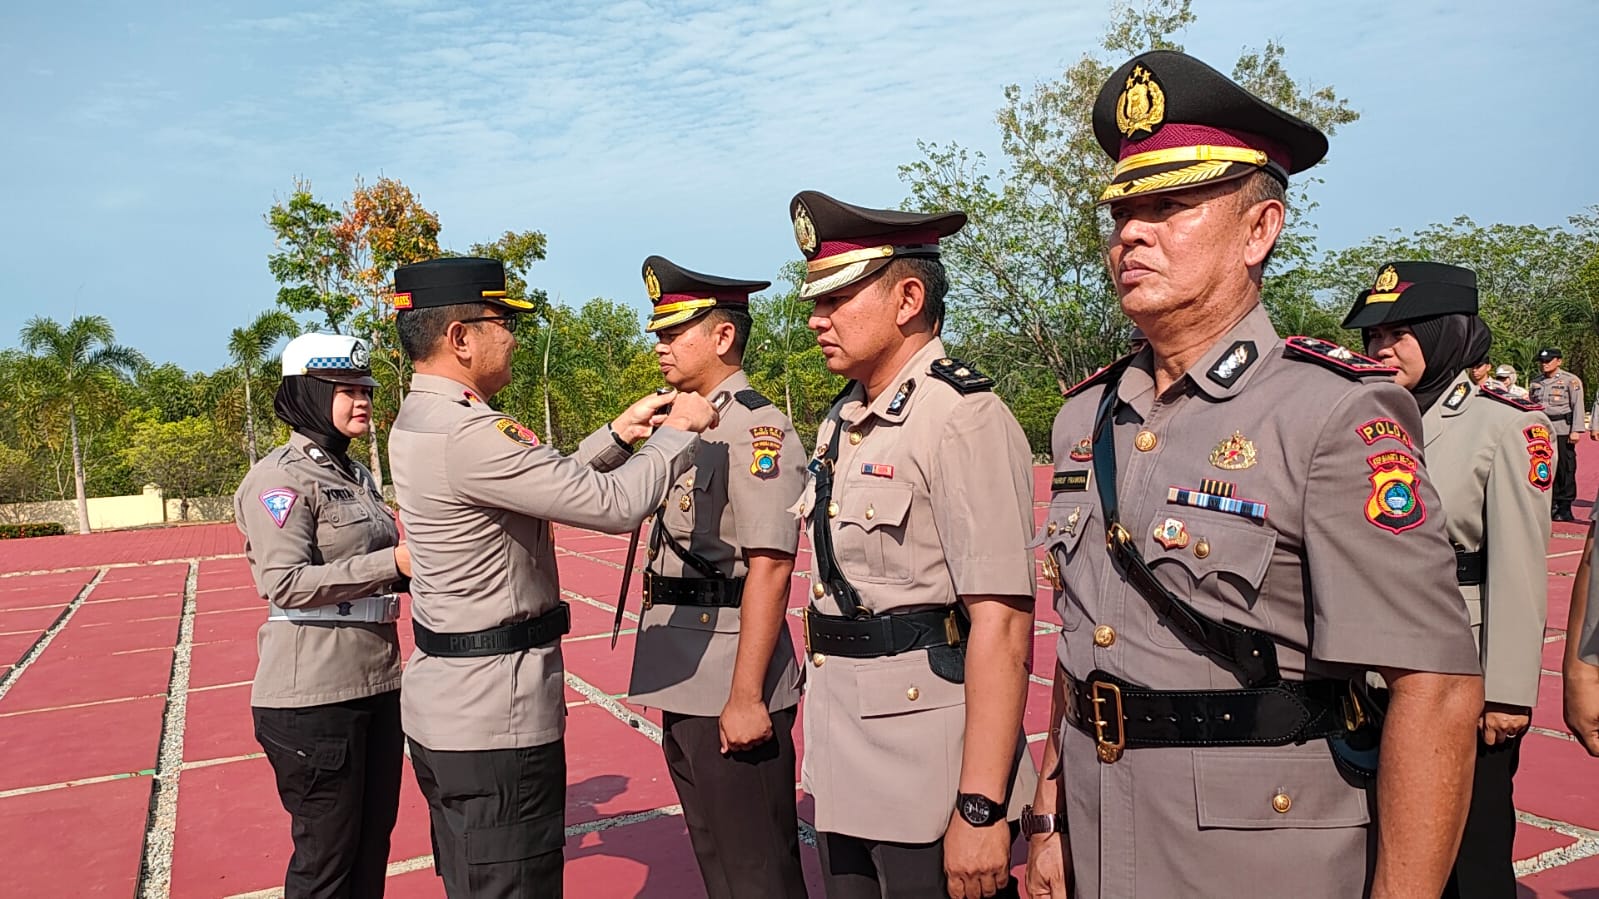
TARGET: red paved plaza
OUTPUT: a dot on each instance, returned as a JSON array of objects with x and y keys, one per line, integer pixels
[{"x": 127, "y": 761}]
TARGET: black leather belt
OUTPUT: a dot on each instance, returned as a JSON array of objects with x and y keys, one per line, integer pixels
[
  {"x": 692, "y": 591},
  {"x": 495, "y": 641},
  {"x": 883, "y": 635},
  {"x": 1469, "y": 567},
  {"x": 1120, "y": 715}
]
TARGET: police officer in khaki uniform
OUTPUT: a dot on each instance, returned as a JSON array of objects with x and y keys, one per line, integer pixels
[
  {"x": 325, "y": 553},
  {"x": 713, "y": 652},
  {"x": 1560, "y": 393},
  {"x": 1491, "y": 460},
  {"x": 1239, "y": 529},
  {"x": 917, "y": 638},
  {"x": 483, "y": 705}
]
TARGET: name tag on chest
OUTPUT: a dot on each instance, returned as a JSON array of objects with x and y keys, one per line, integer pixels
[
  {"x": 336, "y": 494},
  {"x": 1069, "y": 481}
]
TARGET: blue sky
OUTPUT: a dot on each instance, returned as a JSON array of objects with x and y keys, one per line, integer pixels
[{"x": 145, "y": 141}]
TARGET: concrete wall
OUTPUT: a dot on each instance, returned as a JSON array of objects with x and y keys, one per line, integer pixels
[{"x": 108, "y": 513}]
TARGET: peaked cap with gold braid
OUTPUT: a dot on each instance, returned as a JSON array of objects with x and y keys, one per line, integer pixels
[
  {"x": 680, "y": 295},
  {"x": 1171, "y": 123},
  {"x": 844, "y": 243}
]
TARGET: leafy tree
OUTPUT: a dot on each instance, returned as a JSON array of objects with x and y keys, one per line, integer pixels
[
  {"x": 311, "y": 261},
  {"x": 783, "y": 360},
  {"x": 186, "y": 459},
  {"x": 77, "y": 365},
  {"x": 249, "y": 347}
]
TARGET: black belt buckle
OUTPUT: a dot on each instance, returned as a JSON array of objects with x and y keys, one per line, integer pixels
[{"x": 1099, "y": 693}]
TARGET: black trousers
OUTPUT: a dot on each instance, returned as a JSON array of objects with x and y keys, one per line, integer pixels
[
  {"x": 499, "y": 819},
  {"x": 1565, "y": 474},
  {"x": 338, "y": 773},
  {"x": 857, "y": 868},
  {"x": 739, "y": 807},
  {"x": 1485, "y": 868}
]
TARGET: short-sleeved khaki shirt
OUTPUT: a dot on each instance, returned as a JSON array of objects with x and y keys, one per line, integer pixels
[
  {"x": 1335, "y": 548},
  {"x": 316, "y": 535},
  {"x": 1561, "y": 397},
  {"x": 737, "y": 497},
  {"x": 934, "y": 494},
  {"x": 477, "y": 494}
]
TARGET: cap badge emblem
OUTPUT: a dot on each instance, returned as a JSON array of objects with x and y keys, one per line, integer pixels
[
  {"x": 652, "y": 284},
  {"x": 804, "y": 229},
  {"x": 1236, "y": 453},
  {"x": 1141, "y": 109},
  {"x": 359, "y": 357},
  {"x": 1387, "y": 280}
]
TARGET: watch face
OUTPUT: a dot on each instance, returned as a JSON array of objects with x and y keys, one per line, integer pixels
[{"x": 975, "y": 809}]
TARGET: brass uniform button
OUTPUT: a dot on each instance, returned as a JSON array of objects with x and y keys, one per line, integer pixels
[
  {"x": 1281, "y": 803},
  {"x": 913, "y": 694},
  {"x": 854, "y": 438},
  {"x": 818, "y": 659},
  {"x": 870, "y": 513},
  {"x": 705, "y": 618},
  {"x": 1145, "y": 441},
  {"x": 1104, "y": 635},
  {"x": 832, "y": 510},
  {"x": 818, "y": 591},
  {"x": 1202, "y": 548}
]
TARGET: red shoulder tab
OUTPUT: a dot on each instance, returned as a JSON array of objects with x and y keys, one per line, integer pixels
[
  {"x": 1331, "y": 355},
  {"x": 1099, "y": 377},
  {"x": 1504, "y": 396}
]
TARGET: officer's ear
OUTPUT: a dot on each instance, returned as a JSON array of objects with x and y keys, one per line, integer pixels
[
  {"x": 723, "y": 335},
  {"x": 909, "y": 295}
]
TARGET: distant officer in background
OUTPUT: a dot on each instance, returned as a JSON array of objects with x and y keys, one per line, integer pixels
[
  {"x": 920, "y": 626},
  {"x": 713, "y": 652},
  {"x": 483, "y": 705},
  {"x": 1560, "y": 394},
  {"x": 325, "y": 553},
  {"x": 1240, "y": 528},
  {"x": 1490, "y": 456},
  {"x": 1505, "y": 376}
]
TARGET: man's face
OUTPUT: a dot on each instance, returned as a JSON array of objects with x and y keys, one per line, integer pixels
[
  {"x": 1167, "y": 249},
  {"x": 855, "y": 325},
  {"x": 492, "y": 342},
  {"x": 1549, "y": 366},
  {"x": 685, "y": 352}
]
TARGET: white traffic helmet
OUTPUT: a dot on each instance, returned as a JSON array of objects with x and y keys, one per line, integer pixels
[{"x": 329, "y": 357}]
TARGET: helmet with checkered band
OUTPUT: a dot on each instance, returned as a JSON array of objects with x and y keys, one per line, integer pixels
[{"x": 329, "y": 357}]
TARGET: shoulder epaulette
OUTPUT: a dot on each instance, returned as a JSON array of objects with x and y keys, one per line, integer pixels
[
  {"x": 1099, "y": 377},
  {"x": 750, "y": 398},
  {"x": 961, "y": 376},
  {"x": 1331, "y": 355},
  {"x": 1514, "y": 402}
]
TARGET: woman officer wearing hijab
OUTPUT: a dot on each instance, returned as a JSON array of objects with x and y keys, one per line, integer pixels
[
  {"x": 326, "y": 555},
  {"x": 1491, "y": 457}
]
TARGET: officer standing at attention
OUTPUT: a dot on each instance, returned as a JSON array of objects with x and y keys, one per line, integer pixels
[
  {"x": 1560, "y": 393},
  {"x": 483, "y": 706},
  {"x": 1491, "y": 459},
  {"x": 325, "y": 552},
  {"x": 713, "y": 652},
  {"x": 920, "y": 627},
  {"x": 1240, "y": 528}
]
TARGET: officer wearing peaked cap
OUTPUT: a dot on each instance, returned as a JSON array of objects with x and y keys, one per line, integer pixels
[
  {"x": 918, "y": 635},
  {"x": 325, "y": 553},
  {"x": 1560, "y": 393},
  {"x": 483, "y": 705},
  {"x": 1490, "y": 455},
  {"x": 713, "y": 651},
  {"x": 1212, "y": 495}
]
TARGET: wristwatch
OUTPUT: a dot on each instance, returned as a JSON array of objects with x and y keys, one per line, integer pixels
[
  {"x": 1033, "y": 825},
  {"x": 978, "y": 810}
]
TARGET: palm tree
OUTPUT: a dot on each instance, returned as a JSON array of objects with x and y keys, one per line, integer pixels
[
  {"x": 249, "y": 346},
  {"x": 75, "y": 364}
]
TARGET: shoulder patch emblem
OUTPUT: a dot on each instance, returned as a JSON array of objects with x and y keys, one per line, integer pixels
[
  {"x": 1378, "y": 428},
  {"x": 1509, "y": 399},
  {"x": 1331, "y": 355},
  {"x": 1395, "y": 502},
  {"x": 751, "y": 399},
  {"x": 1540, "y": 457},
  {"x": 768, "y": 441},
  {"x": 897, "y": 404},
  {"x": 279, "y": 501},
  {"x": 961, "y": 376},
  {"x": 316, "y": 455},
  {"x": 1232, "y": 365},
  {"x": 516, "y": 432},
  {"x": 1457, "y": 397}
]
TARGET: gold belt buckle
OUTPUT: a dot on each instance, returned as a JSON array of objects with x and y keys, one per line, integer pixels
[
  {"x": 1354, "y": 715},
  {"x": 805, "y": 617},
  {"x": 648, "y": 598},
  {"x": 1116, "y": 534},
  {"x": 1109, "y": 750},
  {"x": 952, "y": 630}
]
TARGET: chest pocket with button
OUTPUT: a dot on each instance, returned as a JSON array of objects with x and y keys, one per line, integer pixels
[
  {"x": 691, "y": 504},
  {"x": 869, "y": 539},
  {"x": 1066, "y": 561},
  {"x": 1214, "y": 563},
  {"x": 343, "y": 526}
]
